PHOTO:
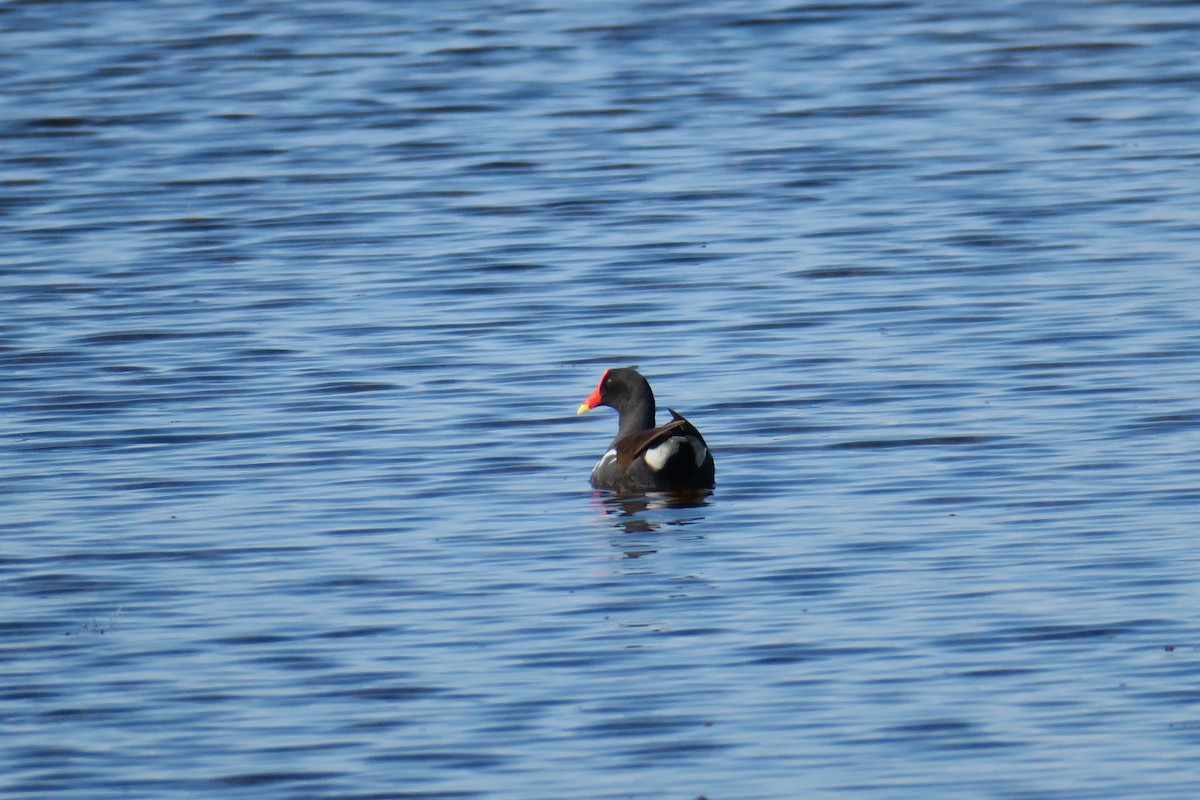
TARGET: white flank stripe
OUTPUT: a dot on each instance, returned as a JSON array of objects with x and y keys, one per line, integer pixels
[{"x": 611, "y": 455}]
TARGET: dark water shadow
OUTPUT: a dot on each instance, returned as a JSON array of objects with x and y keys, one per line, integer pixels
[{"x": 651, "y": 512}]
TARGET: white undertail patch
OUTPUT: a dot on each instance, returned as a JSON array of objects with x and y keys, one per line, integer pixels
[{"x": 657, "y": 457}]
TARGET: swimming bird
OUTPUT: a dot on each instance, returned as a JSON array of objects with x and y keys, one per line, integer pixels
[{"x": 642, "y": 457}]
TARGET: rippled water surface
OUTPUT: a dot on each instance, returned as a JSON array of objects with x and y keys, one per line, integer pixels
[{"x": 299, "y": 300}]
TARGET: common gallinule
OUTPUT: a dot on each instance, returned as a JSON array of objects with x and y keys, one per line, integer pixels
[{"x": 644, "y": 458}]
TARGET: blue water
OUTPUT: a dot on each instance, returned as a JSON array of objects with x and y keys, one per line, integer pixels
[{"x": 299, "y": 300}]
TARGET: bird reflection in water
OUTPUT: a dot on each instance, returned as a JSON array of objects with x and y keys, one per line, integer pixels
[{"x": 642, "y": 513}]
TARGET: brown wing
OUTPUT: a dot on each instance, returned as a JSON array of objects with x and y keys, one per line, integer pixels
[{"x": 629, "y": 449}]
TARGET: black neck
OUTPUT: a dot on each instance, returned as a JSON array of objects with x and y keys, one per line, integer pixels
[{"x": 636, "y": 414}]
